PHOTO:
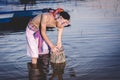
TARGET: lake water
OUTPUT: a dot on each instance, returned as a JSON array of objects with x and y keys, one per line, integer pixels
[{"x": 92, "y": 45}]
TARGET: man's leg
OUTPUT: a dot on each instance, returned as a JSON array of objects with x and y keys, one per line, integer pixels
[{"x": 34, "y": 60}]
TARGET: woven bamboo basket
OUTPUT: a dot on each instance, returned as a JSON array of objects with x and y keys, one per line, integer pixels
[{"x": 58, "y": 57}]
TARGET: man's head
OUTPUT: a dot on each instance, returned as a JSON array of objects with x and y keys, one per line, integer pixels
[
  {"x": 65, "y": 15},
  {"x": 63, "y": 18}
]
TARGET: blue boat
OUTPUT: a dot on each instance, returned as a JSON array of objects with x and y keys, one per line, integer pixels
[{"x": 17, "y": 19}]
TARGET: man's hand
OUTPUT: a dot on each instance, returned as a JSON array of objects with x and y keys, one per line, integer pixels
[
  {"x": 54, "y": 49},
  {"x": 59, "y": 45}
]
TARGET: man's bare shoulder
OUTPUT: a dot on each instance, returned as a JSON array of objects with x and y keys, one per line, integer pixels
[{"x": 45, "y": 15}]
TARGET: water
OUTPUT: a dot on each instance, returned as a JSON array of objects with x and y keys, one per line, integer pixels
[{"x": 91, "y": 45}]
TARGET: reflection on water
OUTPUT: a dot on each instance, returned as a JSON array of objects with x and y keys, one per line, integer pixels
[
  {"x": 97, "y": 8},
  {"x": 103, "y": 8},
  {"x": 109, "y": 8},
  {"x": 58, "y": 70},
  {"x": 39, "y": 71}
]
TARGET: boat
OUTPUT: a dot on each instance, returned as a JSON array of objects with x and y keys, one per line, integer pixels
[{"x": 17, "y": 19}]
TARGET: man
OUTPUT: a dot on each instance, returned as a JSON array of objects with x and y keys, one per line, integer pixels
[{"x": 37, "y": 39}]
